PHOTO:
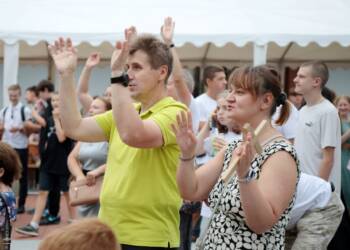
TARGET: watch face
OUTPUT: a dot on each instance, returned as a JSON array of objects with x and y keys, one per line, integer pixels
[{"x": 126, "y": 79}]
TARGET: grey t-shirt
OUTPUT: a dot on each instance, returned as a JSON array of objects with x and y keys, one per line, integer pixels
[
  {"x": 318, "y": 128},
  {"x": 93, "y": 155}
]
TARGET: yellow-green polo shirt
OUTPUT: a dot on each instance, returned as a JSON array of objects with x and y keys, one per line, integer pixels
[{"x": 139, "y": 197}]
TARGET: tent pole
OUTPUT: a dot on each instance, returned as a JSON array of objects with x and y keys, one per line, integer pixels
[
  {"x": 203, "y": 65},
  {"x": 260, "y": 54},
  {"x": 50, "y": 63},
  {"x": 11, "y": 62}
]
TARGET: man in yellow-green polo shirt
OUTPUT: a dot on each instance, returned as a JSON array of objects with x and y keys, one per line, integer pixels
[{"x": 139, "y": 197}]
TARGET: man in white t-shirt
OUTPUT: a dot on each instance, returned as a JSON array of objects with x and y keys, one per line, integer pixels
[
  {"x": 214, "y": 79},
  {"x": 315, "y": 216},
  {"x": 318, "y": 137},
  {"x": 16, "y": 125}
]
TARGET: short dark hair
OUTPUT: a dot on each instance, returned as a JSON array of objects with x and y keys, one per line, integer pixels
[
  {"x": 329, "y": 94},
  {"x": 14, "y": 87},
  {"x": 318, "y": 69},
  {"x": 46, "y": 84},
  {"x": 158, "y": 52},
  {"x": 9, "y": 161},
  {"x": 210, "y": 71},
  {"x": 33, "y": 89}
]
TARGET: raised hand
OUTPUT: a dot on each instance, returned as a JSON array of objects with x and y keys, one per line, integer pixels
[
  {"x": 130, "y": 34},
  {"x": 93, "y": 60},
  {"x": 121, "y": 51},
  {"x": 246, "y": 152},
  {"x": 184, "y": 134},
  {"x": 167, "y": 30},
  {"x": 64, "y": 55}
]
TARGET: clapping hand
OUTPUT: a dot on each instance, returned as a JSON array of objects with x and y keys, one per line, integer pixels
[
  {"x": 64, "y": 55},
  {"x": 184, "y": 134},
  {"x": 93, "y": 60},
  {"x": 121, "y": 51},
  {"x": 167, "y": 30},
  {"x": 245, "y": 151}
]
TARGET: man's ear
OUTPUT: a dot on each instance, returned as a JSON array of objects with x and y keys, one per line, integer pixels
[
  {"x": 317, "y": 82},
  {"x": 208, "y": 81},
  {"x": 2, "y": 172},
  {"x": 163, "y": 72}
]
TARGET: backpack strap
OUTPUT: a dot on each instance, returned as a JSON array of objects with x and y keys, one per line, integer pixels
[
  {"x": 23, "y": 114},
  {"x": 4, "y": 114},
  {"x": 7, "y": 228}
]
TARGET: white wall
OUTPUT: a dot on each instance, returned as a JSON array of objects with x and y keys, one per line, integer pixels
[
  {"x": 31, "y": 74},
  {"x": 339, "y": 81}
]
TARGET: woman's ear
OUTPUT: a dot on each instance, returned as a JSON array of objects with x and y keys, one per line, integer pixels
[
  {"x": 267, "y": 101},
  {"x": 2, "y": 172}
]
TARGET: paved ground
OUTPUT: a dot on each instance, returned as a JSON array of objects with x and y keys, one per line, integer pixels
[
  {"x": 25, "y": 244},
  {"x": 20, "y": 242}
]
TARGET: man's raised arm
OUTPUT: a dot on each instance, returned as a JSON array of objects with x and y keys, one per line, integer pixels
[
  {"x": 65, "y": 58},
  {"x": 167, "y": 33},
  {"x": 83, "y": 86}
]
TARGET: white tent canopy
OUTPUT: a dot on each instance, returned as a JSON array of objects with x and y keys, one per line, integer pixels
[{"x": 224, "y": 32}]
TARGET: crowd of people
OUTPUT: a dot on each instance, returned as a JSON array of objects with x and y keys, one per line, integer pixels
[{"x": 164, "y": 154}]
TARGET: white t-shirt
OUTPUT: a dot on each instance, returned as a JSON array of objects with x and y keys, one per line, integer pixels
[
  {"x": 318, "y": 128},
  {"x": 288, "y": 129},
  {"x": 13, "y": 118},
  {"x": 206, "y": 106},
  {"x": 312, "y": 192},
  {"x": 195, "y": 114}
]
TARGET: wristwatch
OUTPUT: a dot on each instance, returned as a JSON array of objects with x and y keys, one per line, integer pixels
[{"x": 122, "y": 79}]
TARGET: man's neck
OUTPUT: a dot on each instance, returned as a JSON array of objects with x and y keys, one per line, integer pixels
[
  {"x": 147, "y": 103},
  {"x": 313, "y": 98},
  {"x": 212, "y": 94},
  {"x": 14, "y": 104}
]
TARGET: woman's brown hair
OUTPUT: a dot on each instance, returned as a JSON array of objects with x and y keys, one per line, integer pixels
[
  {"x": 260, "y": 80},
  {"x": 9, "y": 161},
  {"x": 107, "y": 103},
  {"x": 86, "y": 234},
  {"x": 338, "y": 98}
]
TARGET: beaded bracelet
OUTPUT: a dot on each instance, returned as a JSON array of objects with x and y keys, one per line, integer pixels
[
  {"x": 187, "y": 159},
  {"x": 248, "y": 177}
]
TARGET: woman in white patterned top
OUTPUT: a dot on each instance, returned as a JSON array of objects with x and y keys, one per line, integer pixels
[{"x": 253, "y": 209}]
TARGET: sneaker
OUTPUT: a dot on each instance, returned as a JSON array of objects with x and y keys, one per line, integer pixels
[
  {"x": 27, "y": 230},
  {"x": 50, "y": 220}
]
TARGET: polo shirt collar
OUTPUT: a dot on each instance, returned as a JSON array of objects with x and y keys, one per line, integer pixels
[{"x": 156, "y": 107}]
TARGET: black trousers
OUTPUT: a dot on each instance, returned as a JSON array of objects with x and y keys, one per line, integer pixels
[
  {"x": 53, "y": 201},
  {"x": 185, "y": 230},
  {"x": 129, "y": 247},
  {"x": 341, "y": 239},
  {"x": 23, "y": 181}
]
